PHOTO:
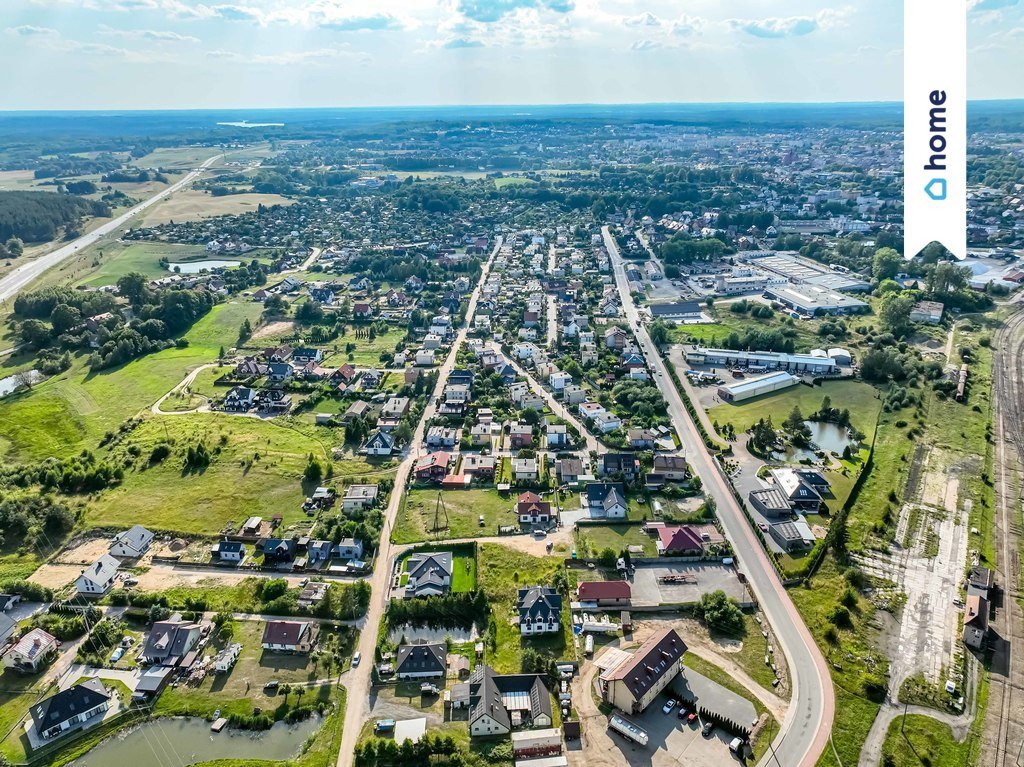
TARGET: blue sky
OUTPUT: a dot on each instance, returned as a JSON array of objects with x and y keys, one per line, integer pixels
[{"x": 100, "y": 54}]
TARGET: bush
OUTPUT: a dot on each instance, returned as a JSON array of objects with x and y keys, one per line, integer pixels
[{"x": 721, "y": 612}]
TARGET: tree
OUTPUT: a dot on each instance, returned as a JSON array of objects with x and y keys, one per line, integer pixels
[
  {"x": 660, "y": 333},
  {"x": 245, "y": 331},
  {"x": 15, "y": 247},
  {"x": 314, "y": 470},
  {"x": 64, "y": 318},
  {"x": 133, "y": 287},
  {"x": 721, "y": 612},
  {"x": 886, "y": 264},
  {"x": 894, "y": 312}
]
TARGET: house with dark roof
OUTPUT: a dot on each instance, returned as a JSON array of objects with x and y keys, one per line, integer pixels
[
  {"x": 421, "y": 661},
  {"x": 289, "y": 636},
  {"x": 626, "y": 465},
  {"x": 169, "y": 642},
  {"x": 606, "y": 499},
  {"x": 532, "y": 509},
  {"x": 540, "y": 610},
  {"x": 277, "y": 550},
  {"x": 605, "y": 593},
  {"x": 430, "y": 574},
  {"x": 499, "y": 704},
  {"x": 379, "y": 443},
  {"x": 633, "y": 683},
  {"x": 672, "y": 467},
  {"x": 771, "y": 502},
  {"x": 228, "y": 551},
  {"x": 980, "y": 581},
  {"x": 70, "y": 709}
]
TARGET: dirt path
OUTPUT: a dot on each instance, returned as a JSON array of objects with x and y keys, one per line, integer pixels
[{"x": 186, "y": 381}]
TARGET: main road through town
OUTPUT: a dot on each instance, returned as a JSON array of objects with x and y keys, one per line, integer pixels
[
  {"x": 21, "y": 277},
  {"x": 357, "y": 680},
  {"x": 804, "y": 734}
]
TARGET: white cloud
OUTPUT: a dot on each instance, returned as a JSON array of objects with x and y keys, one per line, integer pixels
[
  {"x": 28, "y": 30},
  {"x": 155, "y": 35},
  {"x": 788, "y": 26},
  {"x": 315, "y": 56},
  {"x": 645, "y": 45},
  {"x": 645, "y": 19},
  {"x": 990, "y": 5}
]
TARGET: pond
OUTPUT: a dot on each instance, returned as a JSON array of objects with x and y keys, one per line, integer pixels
[
  {"x": 180, "y": 742},
  {"x": 428, "y": 634},
  {"x": 829, "y": 437},
  {"x": 194, "y": 267},
  {"x": 10, "y": 384}
]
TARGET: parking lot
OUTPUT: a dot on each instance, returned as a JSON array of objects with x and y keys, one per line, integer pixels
[{"x": 706, "y": 576}]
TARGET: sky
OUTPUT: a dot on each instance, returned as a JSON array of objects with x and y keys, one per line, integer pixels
[{"x": 178, "y": 54}]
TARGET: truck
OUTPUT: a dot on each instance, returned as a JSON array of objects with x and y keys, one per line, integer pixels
[
  {"x": 384, "y": 725},
  {"x": 628, "y": 729},
  {"x": 588, "y": 644}
]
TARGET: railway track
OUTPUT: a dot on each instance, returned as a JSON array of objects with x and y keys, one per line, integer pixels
[{"x": 1004, "y": 727}]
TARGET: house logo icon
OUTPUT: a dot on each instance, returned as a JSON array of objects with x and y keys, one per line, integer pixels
[{"x": 936, "y": 189}]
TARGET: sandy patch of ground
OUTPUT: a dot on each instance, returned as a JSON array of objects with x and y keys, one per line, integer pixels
[
  {"x": 83, "y": 552},
  {"x": 194, "y": 205},
  {"x": 54, "y": 576},
  {"x": 273, "y": 329}
]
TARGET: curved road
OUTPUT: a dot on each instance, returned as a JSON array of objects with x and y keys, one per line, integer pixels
[
  {"x": 806, "y": 730},
  {"x": 16, "y": 281}
]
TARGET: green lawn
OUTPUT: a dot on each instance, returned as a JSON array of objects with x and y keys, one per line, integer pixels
[
  {"x": 751, "y": 654},
  {"x": 234, "y": 486},
  {"x": 17, "y": 693},
  {"x": 861, "y": 399},
  {"x": 114, "y": 260},
  {"x": 241, "y": 689},
  {"x": 502, "y": 572},
  {"x": 464, "y": 507},
  {"x": 366, "y": 353},
  {"x": 501, "y": 183},
  {"x": 73, "y": 410},
  {"x": 591, "y": 540},
  {"x": 803, "y": 332},
  {"x": 925, "y": 741}
]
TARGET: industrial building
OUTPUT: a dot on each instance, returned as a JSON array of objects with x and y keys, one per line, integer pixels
[
  {"x": 755, "y": 362},
  {"x": 755, "y": 387},
  {"x": 814, "y": 300},
  {"x": 679, "y": 310}
]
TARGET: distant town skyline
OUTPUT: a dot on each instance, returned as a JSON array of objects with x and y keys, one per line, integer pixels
[{"x": 174, "y": 54}]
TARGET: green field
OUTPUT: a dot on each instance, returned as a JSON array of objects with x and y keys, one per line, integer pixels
[
  {"x": 861, "y": 399},
  {"x": 114, "y": 260},
  {"x": 17, "y": 693},
  {"x": 180, "y": 157},
  {"x": 803, "y": 332},
  {"x": 73, "y": 410},
  {"x": 591, "y": 540},
  {"x": 501, "y": 183},
  {"x": 366, "y": 353},
  {"x": 464, "y": 507},
  {"x": 237, "y": 484},
  {"x": 502, "y": 572}
]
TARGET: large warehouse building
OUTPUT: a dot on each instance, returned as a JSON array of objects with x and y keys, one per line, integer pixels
[
  {"x": 755, "y": 387},
  {"x": 806, "y": 364}
]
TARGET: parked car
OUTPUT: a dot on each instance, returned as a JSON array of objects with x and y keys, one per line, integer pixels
[
  {"x": 667, "y": 708},
  {"x": 356, "y": 658},
  {"x": 273, "y": 684},
  {"x": 709, "y": 727}
]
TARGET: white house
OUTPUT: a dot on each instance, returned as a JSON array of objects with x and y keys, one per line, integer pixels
[
  {"x": 607, "y": 422},
  {"x": 31, "y": 651},
  {"x": 559, "y": 380},
  {"x": 97, "y": 579},
  {"x": 132, "y": 543}
]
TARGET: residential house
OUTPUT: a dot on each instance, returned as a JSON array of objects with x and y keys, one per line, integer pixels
[
  {"x": 616, "y": 338},
  {"x": 975, "y": 622},
  {"x": 170, "y": 642},
  {"x": 680, "y": 541},
  {"x": 533, "y": 510},
  {"x": 425, "y": 357},
  {"x": 239, "y": 399},
  {"x": 540, "y": 610},
  {"x": 250, "y": 367},
  {"x": 348, "y": 548},
  {"x": 359, "y": 497},
  {"x": 429, "y": 574},
  {"x": 605, "y": 593},
  {"x": 607, "y": 422},
  {"x": 636, "y": 681},
  {"x": 573, "y": 394},
  {"x": 641, "y": 439},
  {"x": 525, "y": 469},
  {"x": 379, "y": 443},
  {"x": 499, "y": 704},
  {"x": 479, "y": 466},
  {"x": 433, "y": 467},
  {"x": 318, "y": 553},
  {"x": 395, "y": 407},
  {"x": 97, "y": 579},
  {"x": 558, "y": 381},
  {"x": 361, "y": 310},
  {"x": 305, "y": 354},
  {"x": 132, "y": 543},
  {"x": 279, "y": 372},
  {"x": 557, "y": 435},
  {"x": 358, "y": 409},
  {"x": 31, "y": 652},
  {"x": 276, "y": 550},
  {"x": 70, "y": 708},
  {"x": 289, "y": 636},
  {"x": 441, "y": 437},
  {"x": 520, "y": 435},
  {"x": 228, "y": 551},
  {"x": 421, "y": 661},
  {"x": 626, "y": 465},
  {"x": 569, "y": 470},
  {"x": 480, "y": 435},
  {"x": 672, "y": 467},
  {"x": 606, "y": 499}
]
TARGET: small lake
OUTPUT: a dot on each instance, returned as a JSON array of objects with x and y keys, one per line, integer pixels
[
  {"x": 11, "y": 383},
  {"x": 826, "y": 436},
  {"x": 194, "y": 267},
  {"x": 428, "y": 634},
  {"x": 180, "y": 742}
]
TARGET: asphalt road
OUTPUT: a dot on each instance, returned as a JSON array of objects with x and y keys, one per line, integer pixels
[
  {"x": 357, "y": 680},
  {"x": 16, "y": 281},
  {"x": 805, "y": 732}
]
